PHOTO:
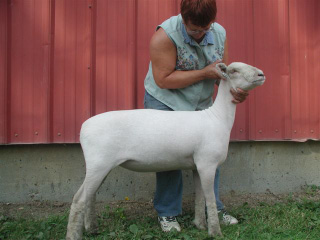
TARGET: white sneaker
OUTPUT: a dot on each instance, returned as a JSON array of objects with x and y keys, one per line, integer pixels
[
  {"x": 169, "y": 223},
  {"x": 227, "y": 219}
]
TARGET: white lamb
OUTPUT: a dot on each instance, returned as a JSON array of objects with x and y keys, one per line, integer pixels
[{"x": 152, "y": 141}]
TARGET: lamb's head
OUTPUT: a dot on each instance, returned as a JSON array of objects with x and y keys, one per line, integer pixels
[{"x": 242, "y": 75}]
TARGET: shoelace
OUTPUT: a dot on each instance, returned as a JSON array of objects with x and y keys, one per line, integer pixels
[
  {"x": 223, "y": 212},
  {"x": 171, "y": 219}
]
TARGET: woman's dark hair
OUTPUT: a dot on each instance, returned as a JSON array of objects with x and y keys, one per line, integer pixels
[{"x": 198, "y": 12}]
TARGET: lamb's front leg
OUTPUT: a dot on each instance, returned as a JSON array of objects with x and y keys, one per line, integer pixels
[
  {"x": 200, "y": 215},
  {"x": 207, "y": 175}
]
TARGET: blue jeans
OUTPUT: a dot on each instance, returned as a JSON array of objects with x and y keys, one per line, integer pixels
[{"x": 168, "y": 196}]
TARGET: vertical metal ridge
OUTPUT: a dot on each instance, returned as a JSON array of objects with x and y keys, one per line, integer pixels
[
  {"x": 9, "y": 76},
  {"x": 32, "y": 123},
  {"x": 288, "y": 122},
  {"x": 116, "y": 83},
  {"x": 252, "y": 111},
  {"x": 75, "y": 87},
  {"x": 93, "y": 66},
  {"x": 21, "y": 79},
  {"x": 51, "y": 72},
  {"x": 4, "y": 29},
  {"x": 135, "y": 54},
  {"x": 317, "y": 53},
  {"x": 63, "y": 111},
  {"x": 106, "y": 58}
]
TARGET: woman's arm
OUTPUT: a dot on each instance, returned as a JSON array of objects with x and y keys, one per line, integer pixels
[{"x": 163, "y": 55}]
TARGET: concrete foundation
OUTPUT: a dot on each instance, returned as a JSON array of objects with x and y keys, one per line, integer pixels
[{"x": 55, "y": 172}]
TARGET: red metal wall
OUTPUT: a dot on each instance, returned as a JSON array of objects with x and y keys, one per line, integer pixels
[{"x": 62, "y": 61}]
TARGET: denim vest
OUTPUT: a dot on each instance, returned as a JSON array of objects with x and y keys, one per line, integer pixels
[{"x": 190, "y": 56}]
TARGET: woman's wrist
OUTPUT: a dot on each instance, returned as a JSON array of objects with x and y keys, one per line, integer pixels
[{"x": 203, "y": 73}]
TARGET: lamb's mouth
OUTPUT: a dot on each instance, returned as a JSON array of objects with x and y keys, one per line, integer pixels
[{"x": 259, "y": 81}]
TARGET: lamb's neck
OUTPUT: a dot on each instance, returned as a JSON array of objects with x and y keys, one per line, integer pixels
[{"x": 223, "y": 108}]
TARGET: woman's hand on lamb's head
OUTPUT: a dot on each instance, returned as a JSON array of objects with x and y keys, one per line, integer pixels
[
  {"x": 212, "y": 72},
  {"x": 239, "y": 96}
]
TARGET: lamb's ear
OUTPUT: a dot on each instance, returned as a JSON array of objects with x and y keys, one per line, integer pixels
[
  {"x": 222, "y": 67},
  {"x": 223, "y": 70}
]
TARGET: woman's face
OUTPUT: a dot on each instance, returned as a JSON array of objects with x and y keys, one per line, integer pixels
[{"x": 195, "y": 31}]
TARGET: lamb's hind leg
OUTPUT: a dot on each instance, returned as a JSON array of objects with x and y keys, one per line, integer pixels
[
  {"x": 207, "y": 182},
  {"x": 200, "y": 215},
  {"x": 82, "y": 208},
  {"x": 76, "y": 216},
  {"x": 90, "y": 216}
]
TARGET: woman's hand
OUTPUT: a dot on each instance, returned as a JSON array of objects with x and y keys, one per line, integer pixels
[
  {"x": 239, "y": 96},
  {"x": 212, "y": 72}
]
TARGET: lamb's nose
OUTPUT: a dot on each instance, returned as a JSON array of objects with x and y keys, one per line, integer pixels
[{"x": 261, "y": 75}]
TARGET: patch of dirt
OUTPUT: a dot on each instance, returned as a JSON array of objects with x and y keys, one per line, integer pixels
[
  {"x": 231, "y": 200},
  {"x": 41, "y": 210}
]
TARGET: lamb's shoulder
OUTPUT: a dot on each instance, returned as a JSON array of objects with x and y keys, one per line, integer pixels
[
  {"x": 214, "y": 144},
  {"x": 212, "y": 151}
]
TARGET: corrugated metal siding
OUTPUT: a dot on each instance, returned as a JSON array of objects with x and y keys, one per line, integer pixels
[
  {"x": 237, "y": 18},
  {"x": 64, "y": 61},
  {"x": 3, "y": 71},
  {"x": 27, "y": 71},
  {"x": 149, "y": 15},
  {"x": 71, "y": 69},
  {"x": 271, "y": 103},
  {"x": 305, "y": 68},
  {"x": 115, "y": 55}
]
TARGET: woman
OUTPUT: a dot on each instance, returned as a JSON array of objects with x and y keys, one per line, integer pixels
[{"x": 184, "y": 51}]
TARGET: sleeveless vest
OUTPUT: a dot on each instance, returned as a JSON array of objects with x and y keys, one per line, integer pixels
[{"x": 190, "y": 56}]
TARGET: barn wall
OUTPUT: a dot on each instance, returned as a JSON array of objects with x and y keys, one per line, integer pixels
[{"x": 64, "y": 61}]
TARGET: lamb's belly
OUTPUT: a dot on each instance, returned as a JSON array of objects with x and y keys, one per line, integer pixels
[{"x": 159, "y": 166}]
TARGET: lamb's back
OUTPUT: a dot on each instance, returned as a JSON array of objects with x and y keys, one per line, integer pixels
[{"x": 143, "y": 125}]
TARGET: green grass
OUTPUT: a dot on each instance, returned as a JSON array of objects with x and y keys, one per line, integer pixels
[{"x": 290, "y": 220}]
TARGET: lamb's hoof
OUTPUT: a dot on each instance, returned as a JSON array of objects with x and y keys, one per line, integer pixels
[
  {"x": 215, "y": 232},
  {"x": 73, "y": 236},
  {"x": 202, "y": 225},
  {"x": 91, "y": 227},
  {"x": 93, "y": 230}
]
